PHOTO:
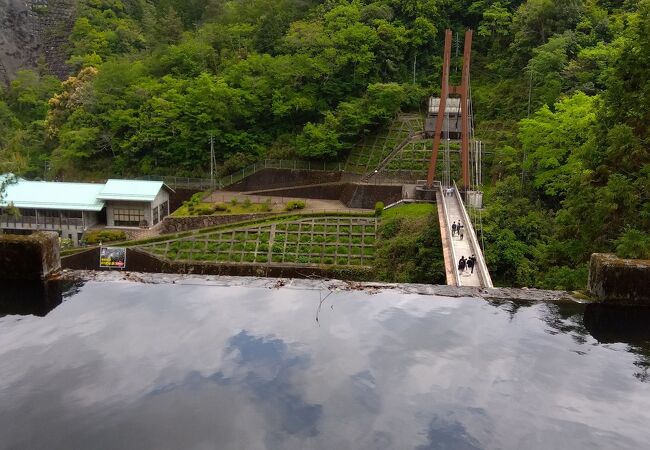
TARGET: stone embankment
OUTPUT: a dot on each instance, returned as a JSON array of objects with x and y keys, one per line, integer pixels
[
  {"x": 619, "y": 281},
  {"x": 177, "y": 224}
]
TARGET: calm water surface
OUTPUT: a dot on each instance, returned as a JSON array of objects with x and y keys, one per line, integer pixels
[{"x": 133, "y": 366}]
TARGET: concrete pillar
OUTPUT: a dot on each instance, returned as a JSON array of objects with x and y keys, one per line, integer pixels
[
  {"x": 619, "y": 281},
  {"x": 32, "y": 257}
]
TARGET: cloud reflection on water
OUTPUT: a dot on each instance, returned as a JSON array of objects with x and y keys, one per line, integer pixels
[{"x": 124, "y": 365}]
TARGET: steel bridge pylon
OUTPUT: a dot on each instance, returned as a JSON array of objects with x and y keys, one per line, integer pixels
[{"x": 463, "y": 90}]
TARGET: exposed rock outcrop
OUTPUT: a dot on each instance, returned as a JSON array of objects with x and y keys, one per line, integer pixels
[{"x": 34, "y": 33}]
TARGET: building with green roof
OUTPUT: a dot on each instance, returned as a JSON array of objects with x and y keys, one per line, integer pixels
[{"x": 72, "y": 208}]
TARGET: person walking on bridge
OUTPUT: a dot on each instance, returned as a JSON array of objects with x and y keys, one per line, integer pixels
[
  {"x": 470, "y": 263},
  {"x": 461, "y": 264},
  {"x": 453, "y": 229}
]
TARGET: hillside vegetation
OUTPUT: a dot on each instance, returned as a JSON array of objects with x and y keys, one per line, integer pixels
[{"x": 561, "y": 90}]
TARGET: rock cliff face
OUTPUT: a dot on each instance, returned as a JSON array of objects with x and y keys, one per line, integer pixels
[{"x": 33, "y": 33}]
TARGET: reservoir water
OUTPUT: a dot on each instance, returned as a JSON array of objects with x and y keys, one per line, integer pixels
[{"x": 123, "y": 365}]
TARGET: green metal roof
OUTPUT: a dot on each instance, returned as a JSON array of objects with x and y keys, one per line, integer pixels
[
  {"x": 131, "y": 190},
  {"x": 54, "y": 195}
]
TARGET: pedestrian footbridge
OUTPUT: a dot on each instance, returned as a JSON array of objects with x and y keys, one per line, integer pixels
[{"x": 452, "y": 209}]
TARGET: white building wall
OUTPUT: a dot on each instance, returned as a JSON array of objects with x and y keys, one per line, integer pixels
[
  {"x": 111, "y": 206},
  {"x": 162, "y": 197}
]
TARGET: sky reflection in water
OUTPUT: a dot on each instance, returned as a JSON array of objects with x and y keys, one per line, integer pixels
[{"x": 126, "y": 365}]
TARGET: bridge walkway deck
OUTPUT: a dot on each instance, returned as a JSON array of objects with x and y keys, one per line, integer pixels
[{"x": 467, "y": 246}]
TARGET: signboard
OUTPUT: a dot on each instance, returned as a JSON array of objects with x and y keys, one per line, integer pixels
[{"x": 112, "y": 257}]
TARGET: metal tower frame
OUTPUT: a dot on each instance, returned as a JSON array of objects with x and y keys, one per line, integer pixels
[{"x": 463, "y": 91}]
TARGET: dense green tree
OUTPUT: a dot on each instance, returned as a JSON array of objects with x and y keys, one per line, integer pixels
[{"x": 560, "y": 91}]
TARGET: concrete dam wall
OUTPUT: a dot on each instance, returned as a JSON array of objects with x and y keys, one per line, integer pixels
[{"x": 33, "y": 257}]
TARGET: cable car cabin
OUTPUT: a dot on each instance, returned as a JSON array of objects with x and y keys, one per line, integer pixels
[{"x": 452, "y": 124}]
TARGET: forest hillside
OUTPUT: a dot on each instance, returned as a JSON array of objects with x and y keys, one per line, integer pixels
[{"x": 561, "y": 91}]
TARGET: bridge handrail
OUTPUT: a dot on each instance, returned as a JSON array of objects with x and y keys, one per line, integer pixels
[
  {"x": 484, "y": 274},
  {"x": 450, "y": 239}
]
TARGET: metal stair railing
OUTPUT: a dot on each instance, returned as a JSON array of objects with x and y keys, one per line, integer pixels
[{"x": 391, "y": 155}]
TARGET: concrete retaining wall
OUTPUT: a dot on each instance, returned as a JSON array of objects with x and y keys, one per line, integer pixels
[
  {"x": 177, "y": 198},
  {"x": 619, "y": 281},
  {"x": 351, "y": 194},
  {"x": 366, "y": 195},
  {"x": 321, "y": 191},
  {"x": 139, "y": 261},
  {"x": 32, "y": 257},
  {"x": 278, "y": 178}
]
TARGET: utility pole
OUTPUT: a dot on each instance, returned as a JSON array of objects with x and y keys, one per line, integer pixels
[
  {"x": 530, "y": 91},
  {"x": 415, "y": 61},
  {"x": 213, "y": 163}
]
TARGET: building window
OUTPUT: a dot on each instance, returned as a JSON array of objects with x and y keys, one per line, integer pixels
[
  {"x": 72, "y": 214},
  {"x": 27, "y": 212},
  {"x": 164, "y": 209},
  {"x": 155, "y": 215},
  {"x": 124, "y": 217}
]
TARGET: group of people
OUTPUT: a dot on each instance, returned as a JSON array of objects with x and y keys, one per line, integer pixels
[
  {"x": 458, "y": 229},
  {"x": 466, "y": 264}
]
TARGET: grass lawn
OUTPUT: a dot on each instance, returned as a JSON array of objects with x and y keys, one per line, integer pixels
[{"x": 409, "y": 210}]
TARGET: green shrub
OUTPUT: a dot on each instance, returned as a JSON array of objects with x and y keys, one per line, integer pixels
[
  {"x": 65, "y": 243},
  {"x": 234, "y": 201},
  {"x": 295, "y": 204},
  {"x": 247, "y": 203},
  {"x": 221, "y": 207},
  {"x": 266, "y": 206},
  {"x": 95, "y": 237},
  {"x": 633, "y": 244},
  {"x": 204, "y": 210},
  {"x": 196, "y": 198},
  {"x": 379, "y": 208}
]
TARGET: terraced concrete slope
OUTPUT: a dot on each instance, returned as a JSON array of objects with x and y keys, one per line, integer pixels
[{"x": 327, "y": 240}]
